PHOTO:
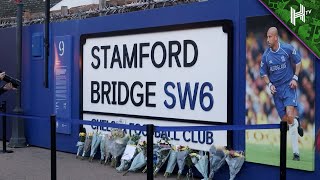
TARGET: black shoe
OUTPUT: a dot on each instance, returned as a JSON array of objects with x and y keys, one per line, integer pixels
[
  {"x": 296, "y": 157},
  {"x": 300, "y": 130}
]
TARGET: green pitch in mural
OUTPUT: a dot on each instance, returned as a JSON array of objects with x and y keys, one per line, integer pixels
[{"x": 302, "y": 17}]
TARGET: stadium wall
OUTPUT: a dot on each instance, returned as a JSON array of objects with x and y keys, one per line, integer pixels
[{"x": 38, "y": 101}]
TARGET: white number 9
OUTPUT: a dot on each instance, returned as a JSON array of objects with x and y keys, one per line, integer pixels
[{"x": 61, "y": 48}]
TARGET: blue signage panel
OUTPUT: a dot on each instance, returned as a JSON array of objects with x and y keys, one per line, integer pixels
[
  {"x": 62, "y": 82},
  {"x": 37, "y": 45}
]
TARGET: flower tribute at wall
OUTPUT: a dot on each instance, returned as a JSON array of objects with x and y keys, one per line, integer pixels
[{"x": 128, "y": 154}]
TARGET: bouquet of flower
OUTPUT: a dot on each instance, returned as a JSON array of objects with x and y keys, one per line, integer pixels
[
  {"x": 190, "y": 160},
  {"x": 96, "y": 139},
  {"x": 172, "y": 161},
  {"x": 107, "y": 146},
  {"x": 200, "y": 161},
  {"x": 102, "y": 147},
  {"x": 217, "y": 160},
  {"x": 87, "y": 146},
  {"x": 80, "y": 143},
  {"x": 129, "y": 153},
  {"x": 235, "y": 161},
  {"x": 155, "y": 148},
  {"x": 140, "y": 160},
  {"x": 118, "y": 146},
  {"x": 162, "y": 154},
  {"x": 182, "y": 154}
]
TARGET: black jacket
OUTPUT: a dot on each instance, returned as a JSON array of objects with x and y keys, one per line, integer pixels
[{"x": 2, "y": 90}]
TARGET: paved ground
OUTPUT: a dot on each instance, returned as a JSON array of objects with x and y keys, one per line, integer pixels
[{"x": 33, "y": 163}]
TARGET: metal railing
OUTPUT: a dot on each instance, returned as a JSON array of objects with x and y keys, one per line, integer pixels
[{"x": 150, "y": 131}]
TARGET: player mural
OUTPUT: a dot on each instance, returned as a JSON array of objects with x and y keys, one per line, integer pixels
[{"x": 279, "y": 87}]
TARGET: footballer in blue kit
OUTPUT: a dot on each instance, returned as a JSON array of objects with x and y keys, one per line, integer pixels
[{"x": 279, "y": 68}]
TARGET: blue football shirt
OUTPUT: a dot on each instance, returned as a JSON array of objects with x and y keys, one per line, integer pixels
[{"x": 277, "y": 65}]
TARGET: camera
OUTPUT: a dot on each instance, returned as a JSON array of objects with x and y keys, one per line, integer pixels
[{"x": 15, "y": 82}]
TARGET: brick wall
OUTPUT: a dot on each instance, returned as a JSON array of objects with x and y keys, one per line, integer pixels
[{"x": 8, "y": 7}]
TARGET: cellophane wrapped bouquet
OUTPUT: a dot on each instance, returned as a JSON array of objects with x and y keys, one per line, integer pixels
[
  {"x": 118, "y": 146},
  {"x": 129, "y": 153},
  {"x": 80, "y": 143}
]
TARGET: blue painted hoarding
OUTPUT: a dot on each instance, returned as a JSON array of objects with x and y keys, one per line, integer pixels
[{"x": 38, "y": 100}]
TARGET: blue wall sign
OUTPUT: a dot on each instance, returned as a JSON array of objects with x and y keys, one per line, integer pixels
[{"x": 62, "y": 82}]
